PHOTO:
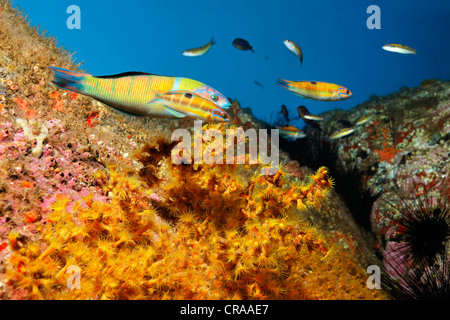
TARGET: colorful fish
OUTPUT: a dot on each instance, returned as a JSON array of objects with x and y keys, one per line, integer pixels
[
  {"x": 242, "y": 44},
  {"x": 295, "y": 49},
  {"x": 133, "y": 92},
  {"x": 291, "y": 133},
  {"x": 307, "y": 117},
  {"x": 199, "y": 51},
  {"x": 316, "y": 90},
  {"x": 399, "y": 48},
  {"x": 365, "y": 118},
  {"x": 342, "y": 133},
  {"x": 184, "y": 103}
]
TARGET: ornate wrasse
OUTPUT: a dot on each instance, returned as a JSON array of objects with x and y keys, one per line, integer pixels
[
  {"x": 365, "y": 118},
  {"x": 183, "y": 103},
  {"x": 132, "y": 92},
  {"x": 316, "y": 90},
  {"x": 291, "y": 133},
  {"x": 342, "y": 133}
]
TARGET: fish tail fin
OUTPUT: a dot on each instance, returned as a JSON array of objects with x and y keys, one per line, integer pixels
[
  {"x": 212, "y": 41},
  {"x": 67, "y": 79},
  {"x": 283, "y": 83}
]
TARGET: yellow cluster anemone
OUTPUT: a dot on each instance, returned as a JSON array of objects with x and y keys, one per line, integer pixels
[{"x": 212, "y": 232}]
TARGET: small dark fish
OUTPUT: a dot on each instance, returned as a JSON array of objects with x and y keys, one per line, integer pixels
[
  {"x": 345, "y": 123},
  {"x": 242, "y": 44},
  {"x": 285, "y": 112},
  {"x": 302, "y": 112},
  {"x": 258, "y": 84}
]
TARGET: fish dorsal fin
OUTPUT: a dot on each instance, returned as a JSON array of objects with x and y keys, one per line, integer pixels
[
  {"x": 126, "y": 74},
  {"x": 288, "y": 127},
  {"x": 131, "y": 73}
]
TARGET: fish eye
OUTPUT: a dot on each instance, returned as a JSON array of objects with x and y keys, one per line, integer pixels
[
  {"x": 225, "y": 116},
  {"x": 214, "y": 97},
  {"x": 188, "y": 95}
]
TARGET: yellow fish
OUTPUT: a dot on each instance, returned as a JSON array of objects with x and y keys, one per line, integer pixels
[
  {"x": 365, "y": 118},
  {"x": 342, "y": 133},
  {"x": 184, "y": 103},
  {"x": 291, "y": 133},
  {"x": 316, "y": 90}
]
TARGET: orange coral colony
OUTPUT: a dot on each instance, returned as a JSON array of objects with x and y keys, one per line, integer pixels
[{"x": 214, "y": 232}]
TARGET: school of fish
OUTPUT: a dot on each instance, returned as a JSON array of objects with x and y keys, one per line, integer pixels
[{"x": 167, "y": 97}]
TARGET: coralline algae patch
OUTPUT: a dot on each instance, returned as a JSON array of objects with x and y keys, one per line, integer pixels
[{"x": 34, "y": 173}]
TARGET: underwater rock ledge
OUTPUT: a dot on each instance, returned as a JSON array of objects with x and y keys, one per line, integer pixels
[{"x": 392, "y": 172}]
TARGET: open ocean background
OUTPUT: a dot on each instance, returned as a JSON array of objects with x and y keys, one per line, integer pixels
[{"x": 149, "y": 36}]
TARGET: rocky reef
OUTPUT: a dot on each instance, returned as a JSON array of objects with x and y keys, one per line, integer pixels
[{"x": 392, "y": 173}]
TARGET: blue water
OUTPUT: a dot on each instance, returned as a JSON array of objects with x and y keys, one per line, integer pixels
[{"x": 119, "y": 36}]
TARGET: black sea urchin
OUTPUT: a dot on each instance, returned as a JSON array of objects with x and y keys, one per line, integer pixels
[
  {"x": 423, "y": 282},
  {"x": 424, "y": 229},
  {"x": 419, "y": 261},
  {"x": 427, "y": 234}
]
